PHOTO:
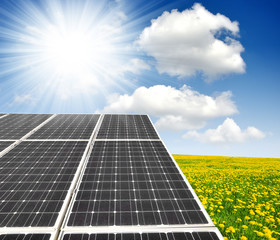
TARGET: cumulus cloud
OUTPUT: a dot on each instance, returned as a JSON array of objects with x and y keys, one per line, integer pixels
[
  {"x": 193, "y": 41},
  {"x": 135, "y": 66},
  {"x": 227, "y": 132},
  {"x": 176, "y": 109}
]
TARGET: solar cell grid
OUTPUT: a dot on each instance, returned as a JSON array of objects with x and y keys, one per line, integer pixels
[
  {"x": 67, "y": 126},
  {"x": 5, "y": 144},
  {"x": 15, "y": 126},
  {"x": 133, "y": 183},
  {"x": 129, "y": 179},
  {"x": 35, "y": 177},
  {"x": 207, "y": 235},
  {"x": 25, "y": 236},
  {"x": 126, "y": 127}
]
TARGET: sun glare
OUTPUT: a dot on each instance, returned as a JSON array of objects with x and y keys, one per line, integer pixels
[
  {"x": 75, "y": 46},
  {"x": 72, "y": 48},
  {"x": 69, "y": 52}
]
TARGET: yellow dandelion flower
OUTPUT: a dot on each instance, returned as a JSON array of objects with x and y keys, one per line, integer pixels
[
  {"x": 252, "y": 212},
  {"x": 244, "y": 227},
  {"x": 230, "y": 229},
  {"x": 260, "y": 234}
]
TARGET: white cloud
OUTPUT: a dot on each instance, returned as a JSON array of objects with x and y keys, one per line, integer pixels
[
  {"x": 227, "y": 132},
  {"x": 193, "y": 41},
  {"x": 19, "y": 99},
  {"x": 136, "y": 65},
  {"x": 177, "y": 109}
]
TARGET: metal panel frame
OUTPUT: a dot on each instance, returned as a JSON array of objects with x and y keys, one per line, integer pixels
[{"x": 5, "y": 115}]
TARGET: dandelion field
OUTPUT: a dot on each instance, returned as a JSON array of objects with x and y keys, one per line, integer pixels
[{"x": 241, "y": 195}]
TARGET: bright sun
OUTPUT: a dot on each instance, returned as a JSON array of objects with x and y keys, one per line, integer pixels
[
  {"x": 72, "y": 47},
  {"x": 70, "y": 51}
]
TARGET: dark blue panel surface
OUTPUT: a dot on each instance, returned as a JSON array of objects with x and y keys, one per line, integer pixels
[
  {"x": 15, "y": 126},
  {"x": 68, "y": 126},
  {"x": 25, "y": 236},
  {"x": 35, "y": 177},
  {"x": 5, "y": 144},
  {"x": 126, "y": 127},
  {"x": 207, "y": 235},
  {"x": 133, "y": 183}
]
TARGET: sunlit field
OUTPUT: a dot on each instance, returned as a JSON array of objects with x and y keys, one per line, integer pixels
[{"x": 242, "y": 195}]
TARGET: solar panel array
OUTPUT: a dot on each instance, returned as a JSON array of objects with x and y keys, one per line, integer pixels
[{"x": 67, "y": 176}]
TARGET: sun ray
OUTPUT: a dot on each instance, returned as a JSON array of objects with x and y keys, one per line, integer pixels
[
  {"x": 72, "y": 44},
  {"x": 71, "y": 49}
]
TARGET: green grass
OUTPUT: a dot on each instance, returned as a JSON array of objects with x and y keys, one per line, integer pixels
[{"x": 241, "y": 195}]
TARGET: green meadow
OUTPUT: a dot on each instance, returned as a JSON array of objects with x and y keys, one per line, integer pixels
[{"x": 241, "y": 195}]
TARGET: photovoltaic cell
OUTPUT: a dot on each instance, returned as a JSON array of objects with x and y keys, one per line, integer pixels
[
  {"x": 68, "y": 126},
  {"x": 15, "y": 126},
  {"x": 35, "y": 177},
  {"x": 133, "y": 183},
  {"x": 25, "y": 236},
  {"x": 207, "y": 235},
  {"x": 5, "y": 144},
  {"x": 126, "y": 127}
]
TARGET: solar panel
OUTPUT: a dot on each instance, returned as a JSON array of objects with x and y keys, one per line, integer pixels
[
  {"x": 126, "y": 127},
  {"x": 5, "y": 144},
  {"x": 35, "y": 178},
  {"x": 15, "y": 126},
  {"x": 186, "y": 235},
  {"x": 25, "y": 236},
  {"x": 133, "y": 183},
  {"x": 115, "y": 170},
  {"x": 68, "y": 126}
]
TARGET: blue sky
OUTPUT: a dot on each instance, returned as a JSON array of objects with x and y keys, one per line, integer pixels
[{"x": 206, "y": 72}]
